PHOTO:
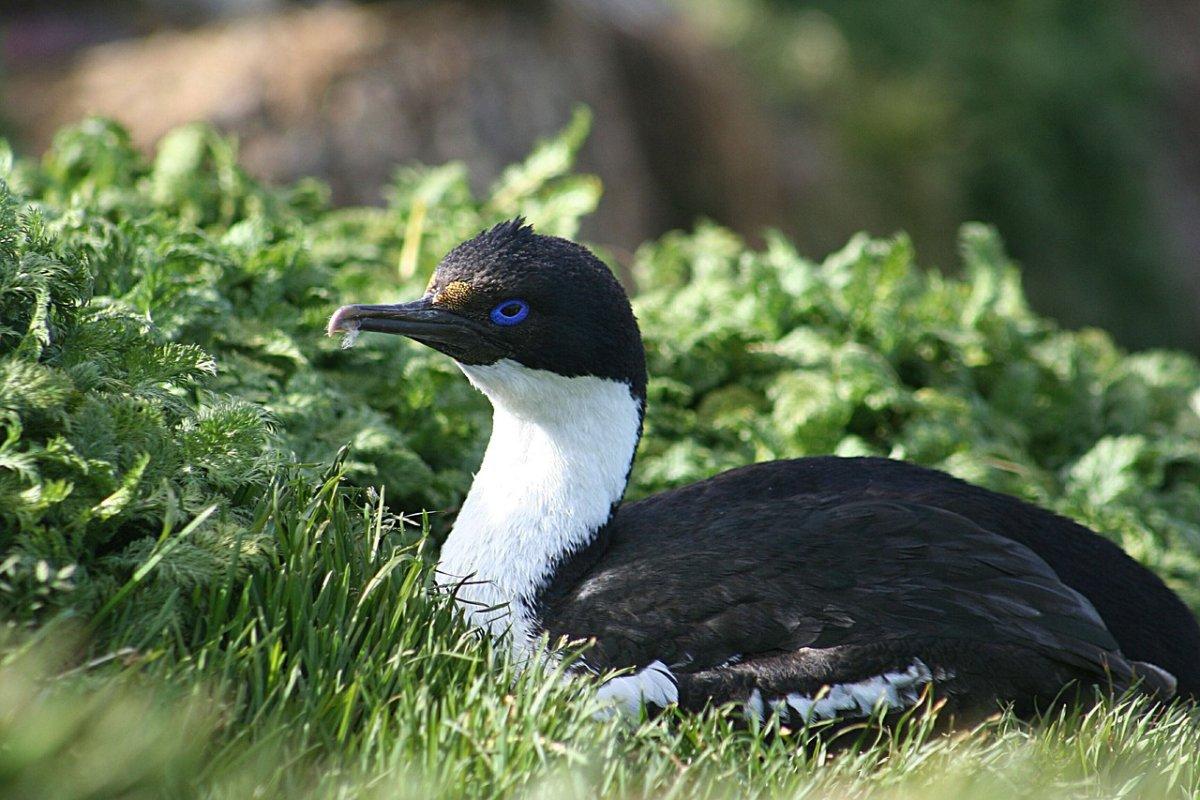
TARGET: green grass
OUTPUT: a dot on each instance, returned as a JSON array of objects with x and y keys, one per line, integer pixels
[
  {"x": 337, "y": 672},
  {"x": 203, "y": 593}
]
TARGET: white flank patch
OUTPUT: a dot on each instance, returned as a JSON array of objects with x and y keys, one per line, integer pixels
[
  {"x": 859, "y": 699},
  {"x": 754, "y": 706},
  {"x": 556, "y": 463},
  {"x": 653, "y": 685}
]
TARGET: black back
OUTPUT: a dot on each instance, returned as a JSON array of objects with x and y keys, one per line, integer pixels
[{"x": 770, "y": 543}]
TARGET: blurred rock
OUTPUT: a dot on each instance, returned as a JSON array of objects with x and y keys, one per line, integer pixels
[{"x": 347, "y": 92}]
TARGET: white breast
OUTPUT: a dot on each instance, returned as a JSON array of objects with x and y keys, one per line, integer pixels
[{"x": 555, "y": 465}]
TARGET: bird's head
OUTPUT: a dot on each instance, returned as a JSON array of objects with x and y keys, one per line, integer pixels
[{"x": 511, "y": 305}]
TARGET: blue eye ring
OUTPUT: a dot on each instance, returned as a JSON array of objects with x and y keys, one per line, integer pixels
[{"x": 510, "y": 312}]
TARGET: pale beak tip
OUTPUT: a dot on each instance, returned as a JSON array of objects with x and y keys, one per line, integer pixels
[
  {"x": 337, "y": 322},
  {"x": 344, "y": 322}
]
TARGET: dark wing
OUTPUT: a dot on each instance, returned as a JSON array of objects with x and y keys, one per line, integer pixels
[{"x": 802, "y": 597}]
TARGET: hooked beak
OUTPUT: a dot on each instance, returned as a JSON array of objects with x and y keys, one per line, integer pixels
[{"x": 443, "y": 330}]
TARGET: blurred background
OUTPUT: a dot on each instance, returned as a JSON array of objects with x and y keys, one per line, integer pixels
[{"x": 1072, "y": 125}]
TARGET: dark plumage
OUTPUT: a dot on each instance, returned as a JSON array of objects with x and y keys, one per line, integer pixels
[
  {"x": 764, "y": 584},
  {"x": 872, "y": 562}
]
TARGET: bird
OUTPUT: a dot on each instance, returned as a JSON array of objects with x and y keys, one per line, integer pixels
[{"x": 809, "y": 589}]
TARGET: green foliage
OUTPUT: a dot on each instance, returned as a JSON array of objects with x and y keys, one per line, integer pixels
[
  {"x": 109, "y": 433},
  {"x": 127, "y": 282},
  {"x": 1040, "y": 117},
  {"x": 172, "y": 479},
  {"x": 764, "y": 355}
]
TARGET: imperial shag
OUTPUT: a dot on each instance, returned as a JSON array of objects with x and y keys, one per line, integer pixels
[{"x": 809, "y": 588}]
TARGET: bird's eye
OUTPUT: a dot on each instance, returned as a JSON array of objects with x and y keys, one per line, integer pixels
[{"x": 510, "y": 312}]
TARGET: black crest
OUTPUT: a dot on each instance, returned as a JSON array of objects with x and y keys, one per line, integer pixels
[{"x": 508, "y": 236}]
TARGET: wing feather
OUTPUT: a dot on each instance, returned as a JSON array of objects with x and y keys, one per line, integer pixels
[{"x": 879, "y": 575}]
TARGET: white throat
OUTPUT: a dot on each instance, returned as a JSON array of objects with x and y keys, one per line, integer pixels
[{"x": 555, "y": 465}]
